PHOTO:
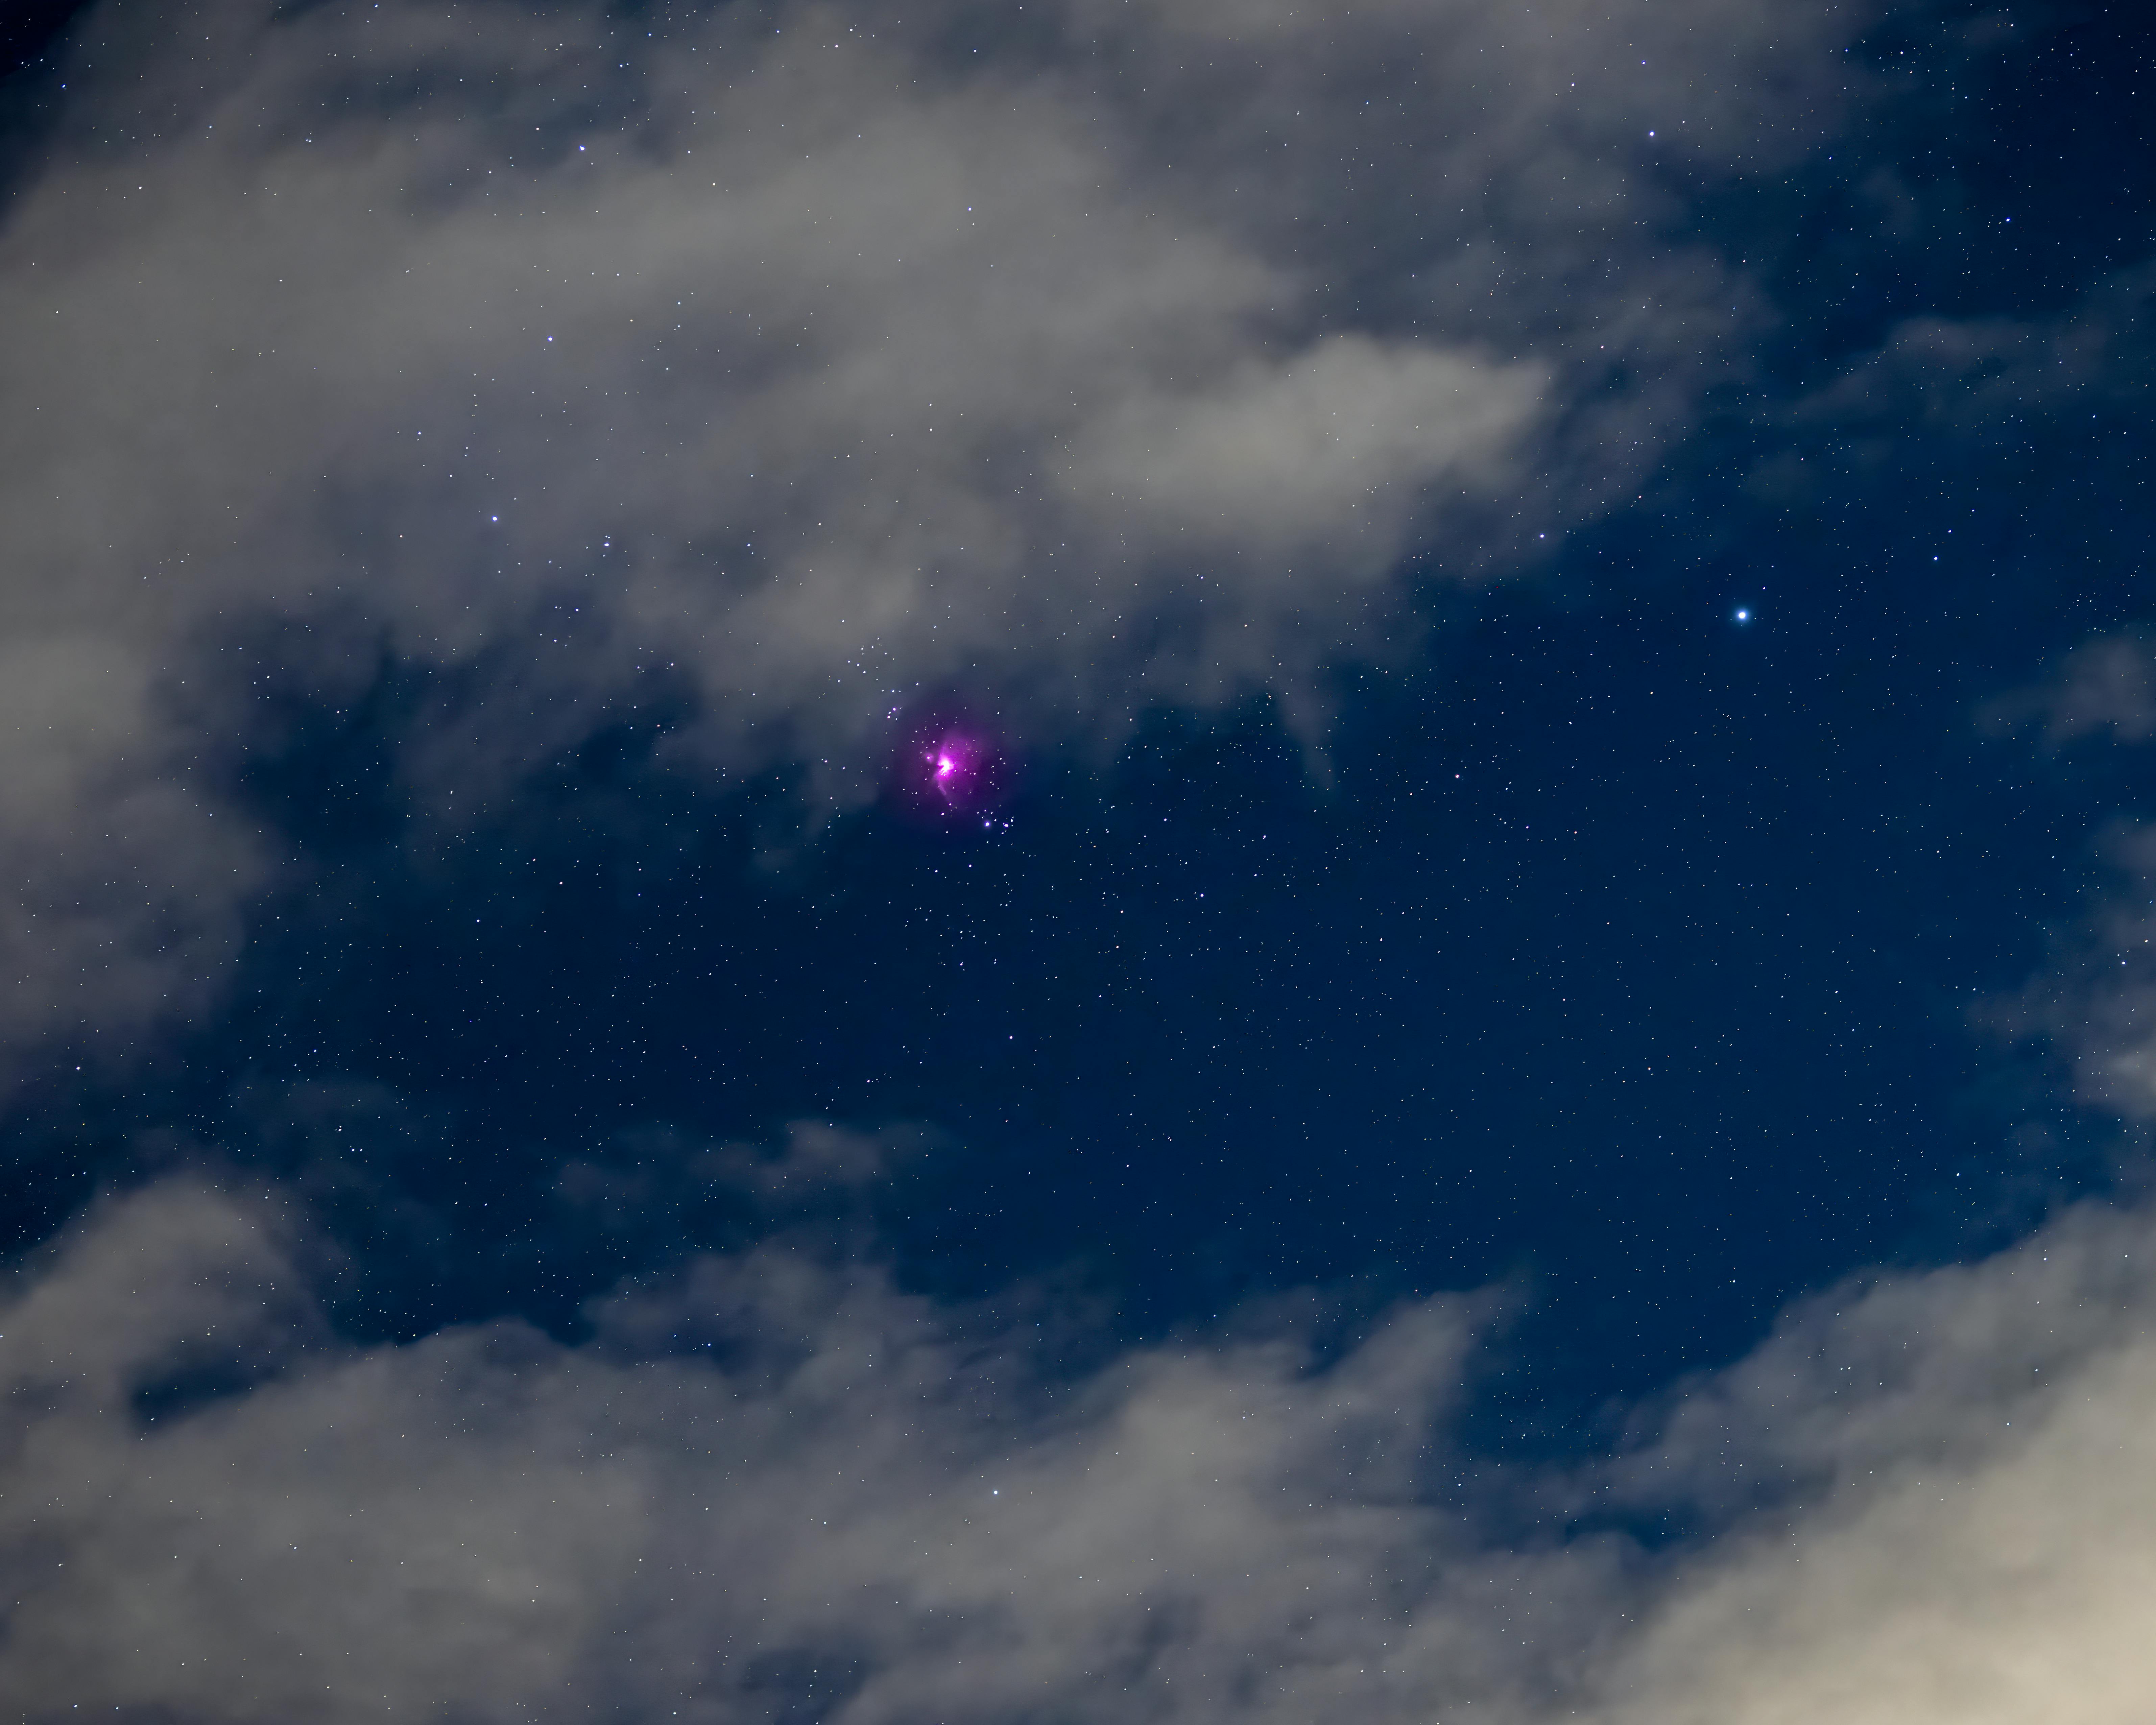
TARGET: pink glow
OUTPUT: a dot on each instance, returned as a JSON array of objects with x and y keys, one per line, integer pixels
[
  {"x": 950, "y": 768},
  {"x": 955, "y": 760}
]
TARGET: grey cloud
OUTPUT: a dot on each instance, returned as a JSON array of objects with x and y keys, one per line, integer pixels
[
  {"x": 485, "y": 1524},
  {"x": 2107, "y": 685},
  {"x": 812, "y": 356},
  {"x": 1323, "y": 460},
  {"x": 1980, "y": 378},
  {"x": 2094, "y": 999},
  {"x": 774, "y": 1485},
  {"x": 817, "y": 1161},
  {"x": 830, "y": 1174}
]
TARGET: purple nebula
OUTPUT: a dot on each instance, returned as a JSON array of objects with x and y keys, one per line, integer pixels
[{"x": 948, "y": 769}]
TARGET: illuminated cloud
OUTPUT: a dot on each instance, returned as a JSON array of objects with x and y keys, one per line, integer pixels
[{"x": 775, "y": 1486}]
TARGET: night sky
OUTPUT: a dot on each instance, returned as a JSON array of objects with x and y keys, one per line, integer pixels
[{"x": 1507, "y": 1078}]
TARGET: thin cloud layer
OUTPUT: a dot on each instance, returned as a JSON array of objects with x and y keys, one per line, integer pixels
[
  {"x": 816, "y": 359},
  {"x": 2104, "y": 686},
  {"x": 777, "y": 1487},
  {"x": 2094, "y": 1002}
]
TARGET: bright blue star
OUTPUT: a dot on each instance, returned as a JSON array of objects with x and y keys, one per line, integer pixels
[{"x": 1743, "y": 615}]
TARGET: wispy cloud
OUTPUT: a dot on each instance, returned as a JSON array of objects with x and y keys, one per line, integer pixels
[
  {"x": 775, "y": 1486},
  {"x": 2093, "y": 1000}
]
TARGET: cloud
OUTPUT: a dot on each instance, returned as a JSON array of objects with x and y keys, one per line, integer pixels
[
  {"x": 2093, "y": 1001},
  {"x": 820, "y": 1174},
  {"x": 1322, "y": 461},
  {"x": 1962, "y": 1517},
  {"x": 824, "y": 1488},
  {"x": 2107, "y": 683},
  {"x": 1979, "y": 380},
  {"x": 774, "y": 1485},
  {"x": 813, "y": 358}
]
